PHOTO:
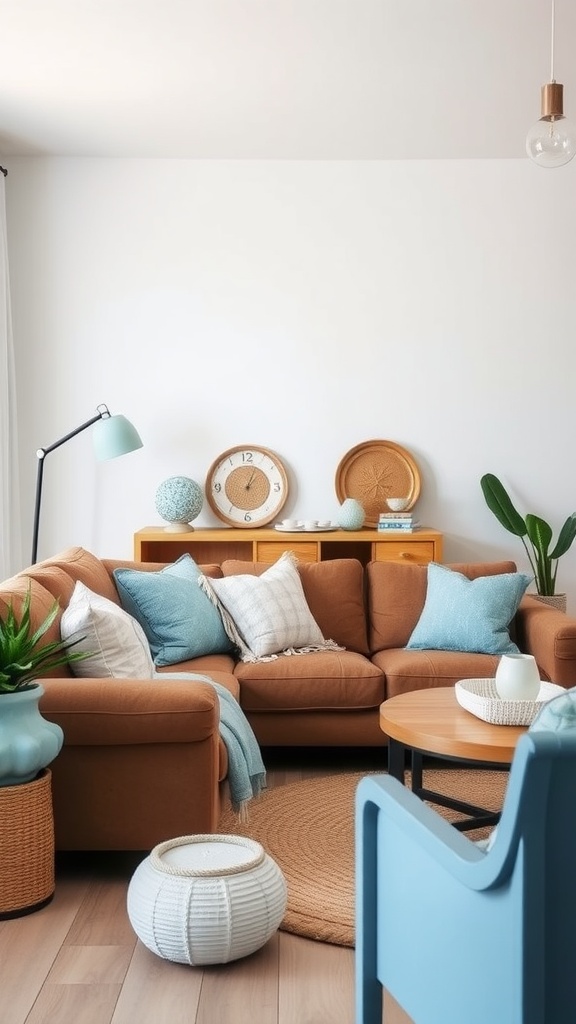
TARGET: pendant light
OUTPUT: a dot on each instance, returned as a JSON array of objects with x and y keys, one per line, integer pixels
[{"x": 551, "y": 142}]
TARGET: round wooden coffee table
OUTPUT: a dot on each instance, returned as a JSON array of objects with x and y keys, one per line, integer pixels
[{"x": 432, "y": 722}]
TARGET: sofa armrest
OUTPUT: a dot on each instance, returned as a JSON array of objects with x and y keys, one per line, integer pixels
[
  {"x": 142, "y": 761},
  {"x": 108, "y": 712},
  {"x": 549, "y": 635}
]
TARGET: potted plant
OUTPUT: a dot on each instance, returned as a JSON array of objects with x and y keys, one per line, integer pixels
[
  {"x": 22, "y": 659},
  {"x": 28, "y": 743},
  {"x": 535, "y": 534}
]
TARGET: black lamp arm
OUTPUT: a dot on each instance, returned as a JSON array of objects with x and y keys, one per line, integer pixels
[{"x": 102, "y": 413}]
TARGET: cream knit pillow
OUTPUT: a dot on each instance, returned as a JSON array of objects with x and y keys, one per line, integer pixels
[{"x": 267, "y": 615}]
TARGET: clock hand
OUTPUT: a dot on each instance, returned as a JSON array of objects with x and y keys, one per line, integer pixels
[{"x": 250, "y": 480}]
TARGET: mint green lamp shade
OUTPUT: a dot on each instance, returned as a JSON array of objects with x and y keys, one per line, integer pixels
[{"x": 114, "y": 436}]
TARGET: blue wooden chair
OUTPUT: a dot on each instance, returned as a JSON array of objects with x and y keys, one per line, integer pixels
[{"x": 459, "y": 935}]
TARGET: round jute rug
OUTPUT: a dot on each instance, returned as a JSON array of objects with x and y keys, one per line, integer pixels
[{"x": 308, "y": 829}]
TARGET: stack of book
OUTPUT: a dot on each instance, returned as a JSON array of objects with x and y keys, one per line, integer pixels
[{"x": 404, "y": 521}]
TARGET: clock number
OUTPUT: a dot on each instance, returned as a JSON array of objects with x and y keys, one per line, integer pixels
[
  {"x": 217, "y": 488},
  {"x": 247, "y": 518},
  {"x": 247, "y": 457},
  {"x": 276, "y": 486}
]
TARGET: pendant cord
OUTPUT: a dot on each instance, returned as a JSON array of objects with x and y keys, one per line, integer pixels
[{"x": 552, "y": 79}]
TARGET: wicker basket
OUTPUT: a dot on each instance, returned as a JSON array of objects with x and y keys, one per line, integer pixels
[
  {"x": 480, "y": 698},
  {"x": 557, "y": 601},
  {"x": 26, "y": 846}
]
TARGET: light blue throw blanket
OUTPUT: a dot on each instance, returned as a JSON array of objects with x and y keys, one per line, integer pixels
[{"x": 246, "y": 771}]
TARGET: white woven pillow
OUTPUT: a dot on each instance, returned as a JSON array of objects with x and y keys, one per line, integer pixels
[
  {"x": 115, "y": 639},
  {"x": 267, "y": 615}
]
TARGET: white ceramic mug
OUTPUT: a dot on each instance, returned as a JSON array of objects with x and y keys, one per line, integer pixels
[{"x": 517, "y": 677}]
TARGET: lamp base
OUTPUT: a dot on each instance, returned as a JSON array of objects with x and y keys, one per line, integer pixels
[{"x": 178, "y": 528}]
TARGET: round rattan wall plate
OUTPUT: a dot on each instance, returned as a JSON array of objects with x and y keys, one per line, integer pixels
[{"x": 374, "y": 471}]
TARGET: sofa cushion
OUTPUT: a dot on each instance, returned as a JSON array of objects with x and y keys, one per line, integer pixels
[
  {"x": 178, "y": 619},
  {"x": 218, "y": 668},
  {"x": 13, "y": 591},
  {"x": 396, "y": 596},
  {"x": 406, "y": 670},
  {"x": 468, "y": 615},
  {"x": 55, "y": 579},
  {"x": 267, "y": 615},
  {"x": 328, "y": 680},
  {"x": 110, "y": 564},
  {"x": 344, "y": 619},
  {"x": 114, "y": 639},
  {"x": 80, "y": 564}
]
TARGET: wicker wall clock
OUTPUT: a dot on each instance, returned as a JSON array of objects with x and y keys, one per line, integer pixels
[
  {"x": 247, "y": 486},
  {"x": 374, "y": 471}
]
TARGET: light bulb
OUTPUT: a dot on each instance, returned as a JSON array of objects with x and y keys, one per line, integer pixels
[{"x": 551, "y": 143}]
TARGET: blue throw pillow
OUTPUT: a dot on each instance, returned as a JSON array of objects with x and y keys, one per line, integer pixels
[
  {"x": 556, "y": 714},
  {"x": 468, "y": 615},
  {"x": 179, "y": 620}
]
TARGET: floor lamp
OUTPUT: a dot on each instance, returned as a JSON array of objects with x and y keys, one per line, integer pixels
[{"x": 113, "y": 436}]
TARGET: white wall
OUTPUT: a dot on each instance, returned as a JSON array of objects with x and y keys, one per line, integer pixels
[{"x": 304, "y": 306}]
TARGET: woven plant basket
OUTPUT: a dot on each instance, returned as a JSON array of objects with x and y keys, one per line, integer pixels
[
  {"x": 554, "y": 600},
  {"x": 26, "y": 846}
]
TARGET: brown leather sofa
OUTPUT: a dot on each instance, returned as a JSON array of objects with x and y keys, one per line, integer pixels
[{"x": 143, "y": 761}]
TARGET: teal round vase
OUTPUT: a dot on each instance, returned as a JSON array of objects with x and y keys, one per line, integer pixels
[
  {"x": 28, "y": 742},
  {"x": 351, "y": 514}
]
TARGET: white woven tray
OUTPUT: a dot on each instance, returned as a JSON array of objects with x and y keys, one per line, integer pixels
[{"x": 479, "y": 696}]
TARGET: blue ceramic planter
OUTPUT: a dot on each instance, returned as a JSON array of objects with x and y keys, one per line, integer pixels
[{"x": 28, "y": 742}]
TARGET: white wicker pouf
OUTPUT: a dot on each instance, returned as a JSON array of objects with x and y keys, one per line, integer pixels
[{"x": 206, "y": 899}]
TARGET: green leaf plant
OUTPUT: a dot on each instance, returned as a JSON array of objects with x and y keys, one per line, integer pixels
[
  {"x": 534, "y": 532},
  {"x": 22, "y": 658}
]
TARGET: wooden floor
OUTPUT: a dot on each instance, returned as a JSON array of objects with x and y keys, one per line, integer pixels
[{"x": 78, "y": 961}]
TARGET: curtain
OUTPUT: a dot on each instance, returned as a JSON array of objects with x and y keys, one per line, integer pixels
[{"x": 10, "y": 533}]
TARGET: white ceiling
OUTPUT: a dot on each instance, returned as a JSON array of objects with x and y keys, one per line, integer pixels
[{"x": 279, "y": 79}]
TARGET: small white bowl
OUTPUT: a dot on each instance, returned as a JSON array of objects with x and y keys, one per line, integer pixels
[
  {"x": 397, "y": 504},
  {"x": 310, "y": 524}
]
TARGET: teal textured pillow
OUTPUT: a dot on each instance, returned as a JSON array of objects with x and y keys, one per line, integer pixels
[
  {"x": 468, "y": 615},
  {"x": 179, "y": 620},
  {"x": 556, "y": 714}
]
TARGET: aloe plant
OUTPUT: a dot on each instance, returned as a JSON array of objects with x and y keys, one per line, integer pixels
[
  {"x": 534, "y": 532},
  {"x": 22, "y": 659}
]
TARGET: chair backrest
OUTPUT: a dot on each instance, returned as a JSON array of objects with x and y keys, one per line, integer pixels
[
  {"x": 461, "y": 936},
  {"x": 537, "y": 838}
]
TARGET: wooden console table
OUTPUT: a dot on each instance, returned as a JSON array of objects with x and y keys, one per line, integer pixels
[{"x": 154, "y": 544}]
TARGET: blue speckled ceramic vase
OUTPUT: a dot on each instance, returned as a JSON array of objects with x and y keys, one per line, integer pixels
[
  {"x": 179, "y": 500},
  {"x": 351, "y": 514}
]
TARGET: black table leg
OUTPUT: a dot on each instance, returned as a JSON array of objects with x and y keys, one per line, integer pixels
[
  {"x": 396, "y": 760},
  {"x": 416, "y": 770},
  {"x": 477, "y": 816}
]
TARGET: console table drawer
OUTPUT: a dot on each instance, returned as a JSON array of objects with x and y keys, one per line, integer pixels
[
  {"x": 270, "y": 551},
  {"x": 408, "y": 550}
]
